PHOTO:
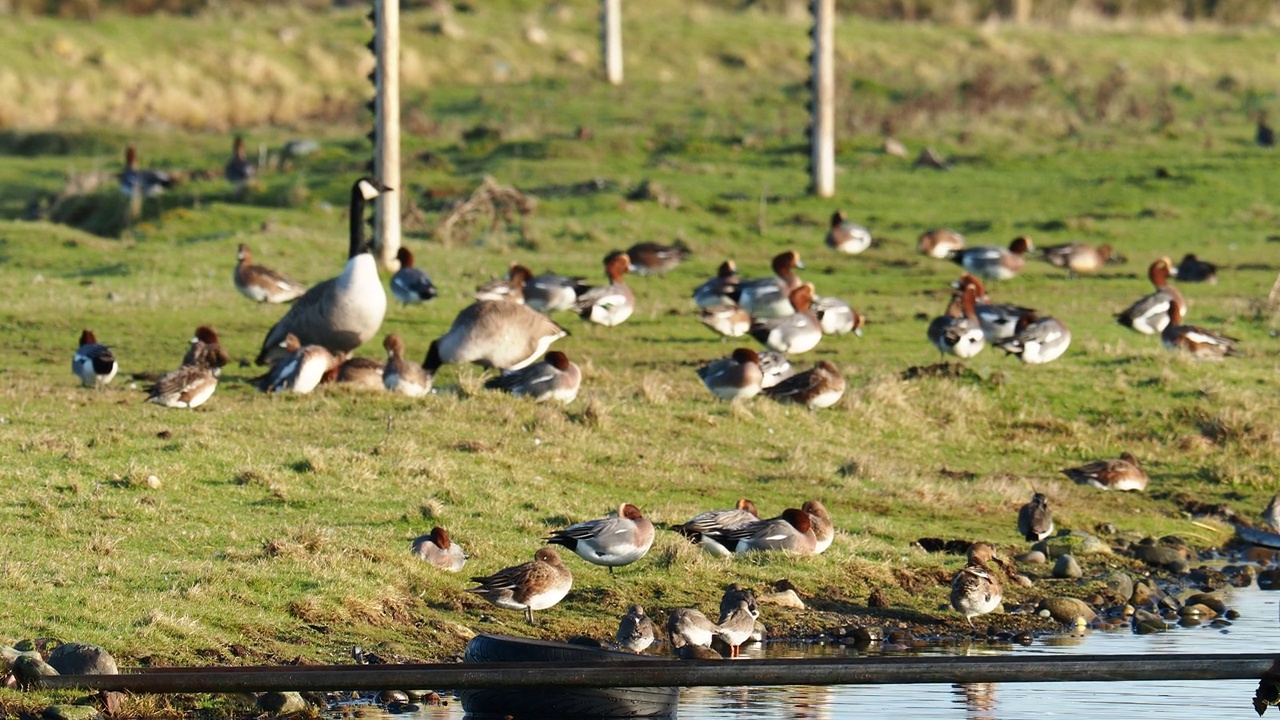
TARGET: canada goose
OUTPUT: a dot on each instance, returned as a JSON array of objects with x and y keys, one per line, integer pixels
[
  {"x": 262, "y": 284},
  {"x": 343, "y": 312},
  {"x": 494, "y": 333}
]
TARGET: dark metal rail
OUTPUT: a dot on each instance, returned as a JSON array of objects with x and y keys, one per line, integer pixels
[{"x": 820, "y": 671}]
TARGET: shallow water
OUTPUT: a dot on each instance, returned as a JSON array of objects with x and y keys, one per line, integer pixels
[{"x": 1257, "y": 630}]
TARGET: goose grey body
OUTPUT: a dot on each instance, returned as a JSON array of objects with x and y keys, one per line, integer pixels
[
  {"x": 497, "y": 334},
  {"x": 343, "y": 312}
]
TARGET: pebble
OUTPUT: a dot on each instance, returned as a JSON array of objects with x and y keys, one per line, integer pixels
[
  {"x": 71, "y": 712},
  {"x": 1032, "y": 557},
  {"x": 786, "y": 598},
  {"x": 1119, "y": 583},
  {"x": 1066, "y": 610},
  {"x": 1209, "y": 600},
  {"x": 81, "y": 659},
  {"x": 1067, "y": 567}
]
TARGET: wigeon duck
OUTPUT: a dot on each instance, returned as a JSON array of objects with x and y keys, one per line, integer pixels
[
  {"x": 510, "y": 287},
  {"x": 496, "y": 334},
  {"x": 999, "y": 321},
  {"x": 835, "y": 317},
  {"x": 770, "y": 297},
  {"x": 940, "y": 243},
  {"x": 142, "y": 183},
  {"x": 1271, "y": 513},
  {"x": 343, "y": 312},
  {"x": 1122, "y": 474},
  {"x": 1196, "y": 341},
  {"x": 994, "y": 263},
  {"x": 302, "y": 370},
  {"x": 845, "y": 236},
  {"x": 974, "y": 589},
  {"x": 799, "y": 332},
  {"x": 737, "y": 377},
  {"x": 823, "y": 531},
  {"x": 776, "y": 368},
  {"x": 401, "y": 376},
  {"x": 689, "y": 627},
  {"x": 438, "y": 549},
  {"x": 93, "y": 363},
  {"x": 362, "y": 373},
  {"x": 1077, "y": 258},
  {"x": 738, "y": 623},
  {"x": 239, "y": 171},
  {"x": 611, "y": 304},
  {"x": 1150, "y": 315},
  {"x": 701, "y": 529},
  {"x": 262, "y": 284},
  {"x": 187, "y": 387},
  {"x": 1265, "y": 135},
  {"x": 535, "y": 585},
  {"x": 735, "y": 593},
  {"x": 1037, "y": 340},
  {"x": 697, "y": 652},
  {"x": 635, "y": 630},
  {"x": 1193, "y": 269},
  {"x": 555, "y": 379},
  {"x": 818, "y": 388},
  {"x": 958, "y": 332},
  {"x": 719, "y": 290},
  {"x": 613, "y": 541},
  {"x": 1035, "y": 519},
  {"x": 650, "y": 257},
  {"x": 206, "y": 351},
  {"x": 551, "y": 292},
  {"x": 791, "y": 532},
  {"x": 410, "y": 284},
  {"x": 728, "y": 319}
]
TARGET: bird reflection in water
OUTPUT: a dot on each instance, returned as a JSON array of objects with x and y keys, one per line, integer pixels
[{"x": 979, "y": 700}]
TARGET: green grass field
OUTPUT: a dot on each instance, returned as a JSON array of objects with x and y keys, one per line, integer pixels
[{"x": 281, "y": 525}]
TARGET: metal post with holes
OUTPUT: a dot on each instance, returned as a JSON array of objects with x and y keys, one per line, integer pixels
[
  {"x": 822, "y": 121},
  {"x": 611, "y": 38},
  {"x": 386, "y": 141}
]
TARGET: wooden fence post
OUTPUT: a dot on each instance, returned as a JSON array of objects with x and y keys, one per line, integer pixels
[
  {"x": 386, "y": 152},
  {"x": 822, "y": 121},
  {"x": 611, "y": 39}
]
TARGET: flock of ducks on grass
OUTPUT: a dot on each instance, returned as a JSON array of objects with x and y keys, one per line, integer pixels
[
  {"x": 627, "y": 536},
  {"x": 508, "y": 328}
]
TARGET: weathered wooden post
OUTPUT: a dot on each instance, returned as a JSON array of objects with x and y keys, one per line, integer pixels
[
  {"x": 822, "y": 120},
  {"x": 611, "y": 38},
  {"x": 386, "y": 132}
]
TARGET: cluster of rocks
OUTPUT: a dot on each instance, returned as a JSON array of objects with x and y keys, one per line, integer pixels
[{"x": 25, "y": 664}]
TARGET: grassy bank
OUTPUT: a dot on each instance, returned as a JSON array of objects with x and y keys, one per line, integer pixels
[{"x": 280, "y": 525}]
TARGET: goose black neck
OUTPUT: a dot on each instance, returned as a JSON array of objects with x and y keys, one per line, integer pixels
[{"x": 358, "y": 244}]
